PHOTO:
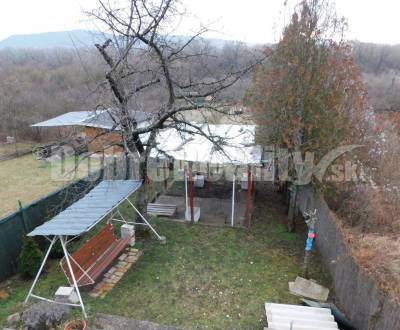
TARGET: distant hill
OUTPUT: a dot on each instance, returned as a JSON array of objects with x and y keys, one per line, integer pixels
[
  {"x": 78, "y": 39},
  {"x": 62, "y": 39}
]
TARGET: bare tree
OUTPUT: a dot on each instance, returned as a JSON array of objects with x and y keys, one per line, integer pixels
[{"x": 145, "y": 59}]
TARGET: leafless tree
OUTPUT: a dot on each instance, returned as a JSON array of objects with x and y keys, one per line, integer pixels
[{"x": 144, "y": 59}]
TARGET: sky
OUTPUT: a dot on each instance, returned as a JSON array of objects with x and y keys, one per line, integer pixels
[{"x": 254, "y": 21}]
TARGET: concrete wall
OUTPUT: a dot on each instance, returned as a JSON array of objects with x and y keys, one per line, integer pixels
[{"x": 357, "y": 294}]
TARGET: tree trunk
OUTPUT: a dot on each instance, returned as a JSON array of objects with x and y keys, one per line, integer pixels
[
  {"x": 292, "y": 207},
  {"x": 306, "y": 263}
]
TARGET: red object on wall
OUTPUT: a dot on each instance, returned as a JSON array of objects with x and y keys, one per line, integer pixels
[{"x": 165, "y": 175}]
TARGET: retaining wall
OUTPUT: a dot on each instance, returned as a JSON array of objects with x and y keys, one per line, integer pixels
[{"x": 356, "y": 292}]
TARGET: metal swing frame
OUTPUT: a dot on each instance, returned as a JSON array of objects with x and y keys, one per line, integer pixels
[{"x": 65, "y": 240}]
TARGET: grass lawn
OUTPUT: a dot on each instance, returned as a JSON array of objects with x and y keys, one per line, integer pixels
[
  {"x": 27, "y": 179},
  {"x": 203, "y": 277}
]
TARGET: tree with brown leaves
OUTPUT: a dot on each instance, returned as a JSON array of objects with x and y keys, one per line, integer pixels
[{"x": 309, "y": 95}]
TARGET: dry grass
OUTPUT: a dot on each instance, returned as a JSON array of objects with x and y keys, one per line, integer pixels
[
  {"x": 15, "y": 148},
  {"x": 370, "y": 213},
  {"x": 379, "y": 255},
  {"x": 27, "y": 179}
]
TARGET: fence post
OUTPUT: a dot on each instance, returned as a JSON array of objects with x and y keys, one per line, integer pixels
[{"x": 21, "y": 210}]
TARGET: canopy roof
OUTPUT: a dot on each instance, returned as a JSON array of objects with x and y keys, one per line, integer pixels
[
  {"x": 237, "y": 147},
  {"x": 81, "y": 216},
  {"x": 97, "y": 118}
]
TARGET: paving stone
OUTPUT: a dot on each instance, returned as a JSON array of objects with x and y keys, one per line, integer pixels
[
  {"x": 109, "y": 286},
  {"x": 122, "y": 257},
  {"x": 111, "y": 270},
  {"x": 99, "y": 286},
  {"x": 132, "y": 259}
]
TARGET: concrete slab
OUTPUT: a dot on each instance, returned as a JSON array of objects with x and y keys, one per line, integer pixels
[
  {"x": 308, "y": 289},
  {"x": 214, "y": 211}
]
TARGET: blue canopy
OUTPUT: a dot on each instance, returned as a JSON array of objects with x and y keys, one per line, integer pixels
[{"x": 81, "y": 216}]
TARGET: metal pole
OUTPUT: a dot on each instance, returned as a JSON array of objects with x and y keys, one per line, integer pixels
[
  {"x": 248, "y": 197},
  {"x": 41, "y": 268},
  {"x": 186, "y": 191},
  {"x": 161, "y": 238},
  {"x": 233, "y": 200},
  {"x": 191, "y": 201},
  {"x": 73, "y": 276}
]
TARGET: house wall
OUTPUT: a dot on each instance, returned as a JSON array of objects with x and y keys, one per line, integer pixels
[
  {"x": 98, "y": 141},
  {"x": 357, "y": 294}
]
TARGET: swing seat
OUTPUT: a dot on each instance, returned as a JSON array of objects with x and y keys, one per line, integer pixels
[{"x": 94, "y": 257}]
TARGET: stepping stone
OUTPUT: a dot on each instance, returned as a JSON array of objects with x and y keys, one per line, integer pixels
[
  {"x": 112, "y": 270},
  {"x": 309, "y": 289},
  {"x": 122, "y": 257},
  {"x": 132, "y": 259}
]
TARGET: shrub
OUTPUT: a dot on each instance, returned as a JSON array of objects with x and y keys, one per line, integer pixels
[
  {"x": 57, "y": 251},
  {"x": 30, "y": 258}
]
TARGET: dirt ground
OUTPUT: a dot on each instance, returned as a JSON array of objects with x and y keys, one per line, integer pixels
[
  {"x": 214, "y": 200},
  {"x": 216, "y": 211}
]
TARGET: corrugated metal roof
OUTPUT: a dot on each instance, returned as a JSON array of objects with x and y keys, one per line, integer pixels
[
  {"x": 239, "y": 147},
  {"x": 99, "y": 118},
  {"x": 67, "y": 119},
  {"x": 81, "y": 216}
]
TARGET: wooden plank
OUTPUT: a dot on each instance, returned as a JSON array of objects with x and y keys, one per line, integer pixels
[
  {"x": 161, "y": 209},
  {"x": 106, "y": 260},
  {"x": 160, "y": 205},
  {"x": 91, "y": 251}
]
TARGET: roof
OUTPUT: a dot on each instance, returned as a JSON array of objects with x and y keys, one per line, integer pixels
[
  {"x": 67, "y": 119},
  {"x": 239, "y": 147},
  {"x": 81, "y": 216},
  {"x": 95, "y": 118}
]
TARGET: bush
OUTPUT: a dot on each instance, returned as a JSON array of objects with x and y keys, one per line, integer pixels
[
  {"x": 30, "y": 258},
  {"x": 57, "y": 251}
]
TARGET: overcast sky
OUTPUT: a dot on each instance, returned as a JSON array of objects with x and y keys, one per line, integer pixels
[{"x": 255, "y": 21}]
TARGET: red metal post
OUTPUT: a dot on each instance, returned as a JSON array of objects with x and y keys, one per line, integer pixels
[
  {"x": 248, "y": 197},
  {"x": 165, "y": 175},
  {"x": 191, "y": 201}
]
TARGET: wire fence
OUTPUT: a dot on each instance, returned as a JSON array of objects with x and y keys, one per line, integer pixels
[{"x": 16, "y": 225}]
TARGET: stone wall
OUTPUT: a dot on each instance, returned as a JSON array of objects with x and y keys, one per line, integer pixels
[{"x": 356, "y": 292}]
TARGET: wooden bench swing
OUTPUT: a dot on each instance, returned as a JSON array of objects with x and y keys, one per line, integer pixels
[{"x": 94, "y": 257}]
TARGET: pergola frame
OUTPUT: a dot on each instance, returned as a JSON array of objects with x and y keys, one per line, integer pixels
[{"x": 189, "y": 195}]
